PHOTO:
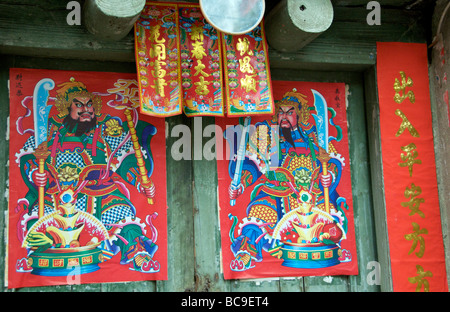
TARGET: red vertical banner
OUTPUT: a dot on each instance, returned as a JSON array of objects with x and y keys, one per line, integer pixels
[
  {"x": 247, "y": 74},
  {"x": 157, "y": 59},
  {"x": 201, "y": 64},
  {"x": 411, "y": 194}
]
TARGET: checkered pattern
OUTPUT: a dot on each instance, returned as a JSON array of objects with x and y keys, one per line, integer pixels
[
  {"x": 116, "y": 213},
  {"x": 69, "y": 158},
  {"x": 115, "y": 141},
  {"x": 81, "y": 203},
  {"x": 29, "y": 143},
  {"x": 47, "y": 209}
]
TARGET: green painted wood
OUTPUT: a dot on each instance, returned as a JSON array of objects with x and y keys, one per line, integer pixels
[
  {"x": 361, "y": 182},
  {"x": 180, "y": 223},
  {"x": 206, "y": 211},
  {"x": 194, "y": 241},
  {"x": 4, "y": 163},
  {"x": 390, "y": 3},
  {"x": 350, "y": 43},
  {"x": 441, "y": 122},
  {"x": 376, "y": 171},
  {"x": 31, "y": 29}
]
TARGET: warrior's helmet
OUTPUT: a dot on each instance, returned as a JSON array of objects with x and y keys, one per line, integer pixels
[
  {"x": 68, "y": 91},
  {"x": 296, "y": 100}
]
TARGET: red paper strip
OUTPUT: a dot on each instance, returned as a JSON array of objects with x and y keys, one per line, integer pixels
[
  {"x": 104, "y": 207},
  {"x": 281, "y": 223},
  {"x": 157, "y": 48},
  {"x": 201, "y": 64},
  {"x": 412, "y": 205},
  {"x": 247, "y": 74}
]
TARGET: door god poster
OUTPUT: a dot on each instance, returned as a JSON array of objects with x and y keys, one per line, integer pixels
[
  {"x": 285, "y": 194},
  {"x": 85, "y": 203}
]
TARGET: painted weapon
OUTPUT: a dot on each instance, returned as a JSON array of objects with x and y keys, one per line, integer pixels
[
  {"x": 321, "y": 119},
  {"x": 41, "y": 112},
  {"x": 240, "y": 158},
  {"x": 146, "y": 181}
]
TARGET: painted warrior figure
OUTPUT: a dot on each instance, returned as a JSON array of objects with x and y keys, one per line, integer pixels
[
  {"x": 90, "y": 154},
  {"x": 289, "y": 171}
]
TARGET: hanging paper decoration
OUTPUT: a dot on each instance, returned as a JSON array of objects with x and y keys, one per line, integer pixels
[
  {"x": 247, "y": 74},
  {"x": 183, "y": 63},
  {"x": 410, "y": 184},
  {"x": 85, "y": 203},
  {"x": 284, "y": 184},
  {"x": 201, "y": 64},
  {"x": 157, "y": 48}
]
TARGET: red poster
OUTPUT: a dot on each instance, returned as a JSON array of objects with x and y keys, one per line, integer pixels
[
  {"x": 285, "y": 194},
  {"x": 412, "y": 204},
  {"x": 85, "y": 205}
]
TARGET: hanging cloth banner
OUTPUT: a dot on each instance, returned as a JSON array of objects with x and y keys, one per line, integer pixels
[
  {"x": 247, "y": 74},
  {"x": 201, "y": 64},
  {"x": 410, "y": 184},
  {"x": 85, "y": 205},
  {"x": 185, "y": 65},
  {"x": 285, "y": 194},
  {"x": 157, "y": 47}
]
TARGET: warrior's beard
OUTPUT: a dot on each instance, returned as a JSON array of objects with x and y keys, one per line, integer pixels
[
  {"x": 81, "y": 127},
  {"x": 287, "y": 133}
]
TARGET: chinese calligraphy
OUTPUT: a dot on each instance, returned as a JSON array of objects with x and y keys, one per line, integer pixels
[
  {"x": 400, "y": 86},
  {"x": 413, "y": 193},
  {"x": 201, "y": 67}
]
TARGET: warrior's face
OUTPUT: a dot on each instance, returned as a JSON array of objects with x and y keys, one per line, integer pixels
[
  {"x": 82, "y": 109},
  {"x": 287, "y": 117}
]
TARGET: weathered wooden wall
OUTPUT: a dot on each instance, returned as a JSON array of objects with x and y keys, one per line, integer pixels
[
  {"x": 38, "y": 37},
  {"x": 440, "y": 88}
]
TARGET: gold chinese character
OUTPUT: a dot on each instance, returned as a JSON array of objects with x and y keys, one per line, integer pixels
[
  {"x": 197, "y": 33},
  {"x": 198, "y": 51},
  {"x": 202, "y": 86},
  {"x": 420, "y": 279},
  {"x": 157, "y": 69},
  {"x": 417, "y": 239},
  {"x": 406, "y": 124},
  {"x": 245, "y": 66},
  {"x": 242, "y": 46},
  {"x": 159, "y": 84},
  {"x": 400, "y": 87},
  {"x": 414, "y": 202},
  {"x": 249, "y": 83},
  {"x": 199, "y": 69},
  {"x": 154, "y": 35},
  {"x": 158, "y": 51},
  {"x": 409, "y": 157}
]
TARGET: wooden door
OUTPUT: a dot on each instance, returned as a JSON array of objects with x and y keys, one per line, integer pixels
[{"x": 193, "y": 226}]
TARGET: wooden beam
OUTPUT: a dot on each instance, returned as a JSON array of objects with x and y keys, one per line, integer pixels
[
  {"x": 292, "y": 24},
  {"x": 41, "y": 30},
  {"x": 111, "y": 19}
]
